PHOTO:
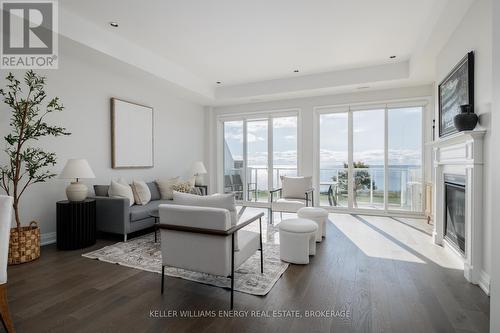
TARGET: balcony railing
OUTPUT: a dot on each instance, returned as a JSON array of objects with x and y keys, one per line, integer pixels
[{"x": 404, "y": 186}]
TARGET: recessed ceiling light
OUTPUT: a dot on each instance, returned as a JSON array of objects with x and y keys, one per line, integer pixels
[
  {"x": 295, "y": 70},
  {"x": 113, "y": 24},
  {"x": 392, "y": 57},
  {"x": 218, "y": 82}
]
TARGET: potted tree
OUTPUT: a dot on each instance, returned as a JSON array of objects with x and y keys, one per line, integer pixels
[{"x": 27, "y": 165}]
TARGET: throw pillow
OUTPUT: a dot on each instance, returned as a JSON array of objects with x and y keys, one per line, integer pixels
[
  {"x": 101, "y": 190},
  {"x": 142, "y": 195},
  {"x": 119, "y": 190},
  {"x": 165, "y": 187},
  {"x": 184, "y": 187},
  {"x": 225, "y": 201},
  {"x": 155, "y": 192}
]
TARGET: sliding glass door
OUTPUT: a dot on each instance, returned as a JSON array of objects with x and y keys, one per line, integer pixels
[
  {"x": 285, "y": 158},
  {"x": 334, "y": 159},
  {"x": 257, "y": 160},
  {"x": 368, "y": 159},
  {"x": 405, "y": 182},
  {"x": 371, "y": 158},
  {"x": 258, "y": 151},
  {"x": 233, "y": 155}
]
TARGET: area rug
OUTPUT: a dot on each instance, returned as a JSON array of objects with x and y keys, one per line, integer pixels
[{"x": 144, "y": 254}]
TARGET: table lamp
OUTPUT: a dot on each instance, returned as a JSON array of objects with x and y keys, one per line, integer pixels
[
  {"x": 77, "y": 168},
  {"x": 198, "y": 169}
]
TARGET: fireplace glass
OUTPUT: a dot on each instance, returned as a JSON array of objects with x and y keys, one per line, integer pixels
[{"x": 455, "y": 211}]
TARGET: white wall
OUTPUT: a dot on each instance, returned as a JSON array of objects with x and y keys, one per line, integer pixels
[
  {"x": 306, "y": 107},
  {"x": 474, "y": 33},
  {"x": 495, "y": 165},
  {"x": 85, "y": 82}
]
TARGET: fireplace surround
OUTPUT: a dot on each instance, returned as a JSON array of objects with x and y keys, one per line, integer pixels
[{"x": 458, "y": 161}]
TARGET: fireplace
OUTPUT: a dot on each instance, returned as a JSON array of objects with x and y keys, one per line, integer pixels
[
  {"x": 458, "y": 201},
  {"x": 454, "y": 222}
]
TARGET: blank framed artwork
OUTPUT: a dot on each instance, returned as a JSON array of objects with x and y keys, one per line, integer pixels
[{"x": 132, "y": 143}]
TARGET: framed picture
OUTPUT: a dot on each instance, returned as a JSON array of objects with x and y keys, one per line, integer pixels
[
  {"x": 455, "y": 90},
  {"x": 132, "y": 143}
]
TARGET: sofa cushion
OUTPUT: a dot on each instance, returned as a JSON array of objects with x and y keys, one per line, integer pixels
[
  {"x": 295, "y": 187},
  {"x": 138, "y": 212},
  {"x": 101, "y": 190},
  {"x": 165, "y": 187},
  {"x": 225, "y": 201},
  {"x": 120, "y": 189},
  {"x": 142, "y": 195},
  {"x": 155, "y": 192}
]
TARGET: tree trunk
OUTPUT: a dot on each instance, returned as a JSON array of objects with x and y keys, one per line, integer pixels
[{"x": 15, "y": 205}]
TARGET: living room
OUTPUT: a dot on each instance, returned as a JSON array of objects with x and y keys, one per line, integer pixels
[{"x": 249, "y": 166}]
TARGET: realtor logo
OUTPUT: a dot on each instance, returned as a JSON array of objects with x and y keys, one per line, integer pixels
[{"x": 29, "y": 34}]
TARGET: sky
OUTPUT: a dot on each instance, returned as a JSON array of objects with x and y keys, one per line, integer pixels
[{"x": 404, "y": 138}]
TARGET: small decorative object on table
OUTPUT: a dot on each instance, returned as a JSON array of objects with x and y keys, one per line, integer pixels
[
  {"x": 76, "y": 224},
  {"x": 466, "y": 120}
]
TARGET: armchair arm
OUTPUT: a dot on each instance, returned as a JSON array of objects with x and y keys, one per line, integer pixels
[
  {"x": 243, "y": 224},
  {"x": 278, "y": 190},
  {"x": 310, "y": 196},
  {"x": 112, "y": 214}
]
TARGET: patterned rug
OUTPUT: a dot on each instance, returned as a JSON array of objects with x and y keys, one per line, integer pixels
[{"x": 144, "y": 254}]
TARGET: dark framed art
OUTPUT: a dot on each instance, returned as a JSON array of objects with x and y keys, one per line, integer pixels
[{"x": 456, "y": 89}]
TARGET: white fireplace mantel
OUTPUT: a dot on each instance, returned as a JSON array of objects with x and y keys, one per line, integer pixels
[{"x": 462, "y": 153}]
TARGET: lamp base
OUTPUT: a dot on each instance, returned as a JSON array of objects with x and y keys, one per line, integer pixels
[
  {"x": 76, "y": 191},
  {"x": 199, "y": 180}
]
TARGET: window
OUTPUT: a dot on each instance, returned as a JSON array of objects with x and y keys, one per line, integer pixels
[
  {"x": 253, "y": 146},
  {"x": 371, "y": 158}
]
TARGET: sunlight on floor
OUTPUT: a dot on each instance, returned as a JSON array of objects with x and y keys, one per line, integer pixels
[
  {"x": 397, "y": 239},
  {"x": 402, "y": 239}
]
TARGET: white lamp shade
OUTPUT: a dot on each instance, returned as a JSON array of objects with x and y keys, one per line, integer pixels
[
  {"x": 77, "y": 168},
  {"x": 198, "y": 168}
]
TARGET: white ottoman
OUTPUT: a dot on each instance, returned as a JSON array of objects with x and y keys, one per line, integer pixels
[
  {"x": 318, "y": 215},
  {"x": 297, "y": 240}
]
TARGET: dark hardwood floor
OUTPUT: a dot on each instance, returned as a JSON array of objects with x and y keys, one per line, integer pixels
[{"x": 385, "y": 273}]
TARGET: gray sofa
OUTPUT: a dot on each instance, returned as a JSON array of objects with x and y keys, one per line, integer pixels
[{"x": 114, "y": 215}]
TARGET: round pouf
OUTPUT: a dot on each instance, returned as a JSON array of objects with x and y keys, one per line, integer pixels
[
  {"x": 297, "y": 240},
  {"x": 318, "y": 215}
]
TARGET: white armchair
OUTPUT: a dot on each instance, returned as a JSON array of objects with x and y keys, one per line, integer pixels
[
  {"x": 5, "y": 221},
  {"x": 203, "y": 239},
  {"x": 294, "y": 194}
]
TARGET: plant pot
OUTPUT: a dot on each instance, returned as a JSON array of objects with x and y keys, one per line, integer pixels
[
  {"x": 24, "y": 244},
  {"x": 466, "y": 120}
]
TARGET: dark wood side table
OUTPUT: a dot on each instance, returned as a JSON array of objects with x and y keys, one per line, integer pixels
[
  {"x": 76, "y": 224},
  {"x": 203, "y": 188}
]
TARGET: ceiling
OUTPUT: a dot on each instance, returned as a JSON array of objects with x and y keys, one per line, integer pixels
[{"x": 240, "y": 42}]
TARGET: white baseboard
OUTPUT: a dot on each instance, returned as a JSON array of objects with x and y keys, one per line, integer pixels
[
  {"x": 48, "y": 238},
  {"x": 484, "y": 282}
]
